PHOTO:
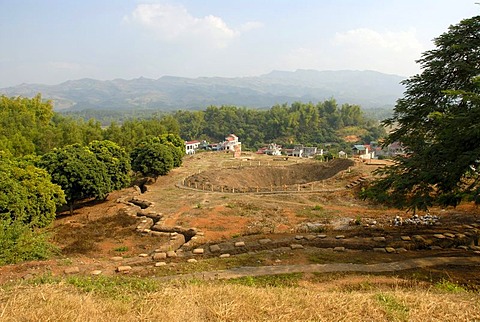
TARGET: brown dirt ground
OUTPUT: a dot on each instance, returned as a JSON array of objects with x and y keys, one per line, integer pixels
[{"x": 98, "y": 231}]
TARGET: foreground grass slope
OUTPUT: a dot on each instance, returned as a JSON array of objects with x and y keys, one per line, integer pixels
[{"x": 280, "y": 298}]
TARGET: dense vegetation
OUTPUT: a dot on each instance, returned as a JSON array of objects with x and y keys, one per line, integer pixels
[{"x": 438, "y": 122}]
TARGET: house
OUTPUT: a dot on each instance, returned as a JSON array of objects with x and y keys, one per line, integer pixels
[
  {"x": 232, "y": 144},
  {"x": 298, "y": 151},
  {"x": 271, "y": 149},
  {"x": 191, "y": 146},
  {"x": 342, "y": 155},
  {"x": 363, "y": 152}
]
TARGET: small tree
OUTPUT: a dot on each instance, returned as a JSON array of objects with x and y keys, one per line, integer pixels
[
  {"x": 77, "y": 170},
  {"x": 116, "y": 161},
  {"x": 152, "y": 158},
  {"x": 438, "y": 122}
]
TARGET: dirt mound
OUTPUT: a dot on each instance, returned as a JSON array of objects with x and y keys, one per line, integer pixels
[{"x": 271, "y": 176}]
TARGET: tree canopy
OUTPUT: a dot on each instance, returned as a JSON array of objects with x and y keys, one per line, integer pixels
[
  {"x": 27, "y": 195},
  {"x": 77, "y": 170},
  {"x": 152, "y": 158},
  {"x": 438, "y": 123}
]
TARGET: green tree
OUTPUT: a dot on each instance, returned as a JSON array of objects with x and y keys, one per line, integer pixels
[
  {"x": 152, "y": 158},
  {"x": 27, "y": 194},
  {"x": 116, "y": 161},
  {"x": 77, "y": 170},
  {"x": 437, "y": 121}
]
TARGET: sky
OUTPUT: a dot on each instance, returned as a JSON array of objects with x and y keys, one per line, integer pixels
[{"x": 52, "y": 41}]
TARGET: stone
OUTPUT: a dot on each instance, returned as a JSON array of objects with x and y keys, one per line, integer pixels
[
  {"x": 435, "y": 247},
  {"x": 158, "y": 256},
  {"x": 379, "y": 250},
  {"x": 171, "y": 253},
  {"x": 125, "y": 268},
  {"x": 224, "y": 255},
  {"x": 439, "y": 236},
  {"x": 322, "y": 236},
  {"x": 198, "y": 251},
  {"x": 299, "y": 237},
  {"x": 340, "y": 236},
  {"x": 296, "y": 246},
  {"x": 476, "y": 248},
  {"x": 72, "y": 270},
  {"x": 158, "y": 264},
  {"x": 116, "y": 258},
  {"x": 418, "y": 238},
  {"x": 310, "y": 237},
  {"x": 339, "y": 249},
  {"x": 215, "y": 248},
  {"x": 143, "y": 255},
  {"x": 96, "y": 272},
  {"x": 191, "y": 260},
  {"x": 240, "y": 244},
  {"x": 264, "y": 241},
  {"x": 463, "y": 247},
  {"x": 200, "y": 234},
  {"x": 379, "y": 239},
  {"x": 401, "y": 250},
  {"x": 390, "y": 250},
  {"x": 405, "y": 238},
  {"x": 460, "y": 236},
  {"x": 449, "y": 235}
]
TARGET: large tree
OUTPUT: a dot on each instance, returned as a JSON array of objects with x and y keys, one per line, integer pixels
[
  {"x": 152, "y": 158},
  {"x": 438, "y": 123},
  {"x": 77, "y": 170}
]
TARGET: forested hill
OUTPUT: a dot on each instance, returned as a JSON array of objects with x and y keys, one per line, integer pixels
[{"x": 367, "y": 88}]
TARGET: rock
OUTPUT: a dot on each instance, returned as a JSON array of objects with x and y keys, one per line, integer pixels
[
  {"x": 96, "y": 272},
  {"x": 215, "y": 248},
  {"x": 390, "y": 250},
  {"x": 460, "y": 236},
  {"x": 463, "y": 247},
  {"x": 449, "y": 235},
  {"x": 71, "y": 270},
  {"x": 158, "y": 264},
  {"x": 198, "y": 251},
  {"x": 296, "y": 246},
  {"x": 171, "y": 253},
  {"x": 472, "y": 247},
  {"x": 439, "y": 236},
  {"x": 264, "y": 241},
  {"x": 340, "y": 237},
  {"x": 379, "y": 239},
  {"x": 143, "y": 255},
  {"x": 200, "y": 234},
  {"x": 339, "y": 249},
  {"x": 191, "y": 260},
  {"x": 379, "y": 250},
  {"x": 418, "y": 238},
  {"x": 435, "y": 247},
  {"x": 310, "y": 237},
  {"x": 125, "y": 268},
  {"x": 299, "y": 237},
  {"x": 116, "y": 258},
  {"x": 405, "y": 238},
  {"x": 158, "y": 256},
  {"x": 322, "y": 236},
  {"x": 240, "y": 244},
  {"x": 401, "y": 250},
  {"x": 224, "y": 255}
]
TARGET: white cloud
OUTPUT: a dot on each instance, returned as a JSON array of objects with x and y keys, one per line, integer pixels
[{"x": 174, "y": 23}]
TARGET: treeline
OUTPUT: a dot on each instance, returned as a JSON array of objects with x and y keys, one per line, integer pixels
[{"x": 299, "y": 123}]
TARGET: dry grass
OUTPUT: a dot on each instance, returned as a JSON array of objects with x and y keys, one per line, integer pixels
[{"x": 222, "y": 301}]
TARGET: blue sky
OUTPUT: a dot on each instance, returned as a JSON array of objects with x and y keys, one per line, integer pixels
[{"x": 51, "y": 41}]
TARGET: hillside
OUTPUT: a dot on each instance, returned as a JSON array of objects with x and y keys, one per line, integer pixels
[{"x": 367, "y": 88}]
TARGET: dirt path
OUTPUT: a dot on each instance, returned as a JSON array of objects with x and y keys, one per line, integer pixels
[{"x": 331, "y": 268}]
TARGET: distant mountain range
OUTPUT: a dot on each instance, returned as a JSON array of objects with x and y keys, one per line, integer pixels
[{"x": 366, "y": 88}]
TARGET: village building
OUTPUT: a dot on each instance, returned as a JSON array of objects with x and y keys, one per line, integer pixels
[
  {"x": 191, "y": 146},
  {"x": 363, "y": 152}
]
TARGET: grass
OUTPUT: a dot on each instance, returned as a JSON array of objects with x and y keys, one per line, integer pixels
[
  {"x": 288, "y": 297},
  {"x": 280, "y": 280},
  {"x": 394, "y": 309},
  {"x": 121, "y": 249}
]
